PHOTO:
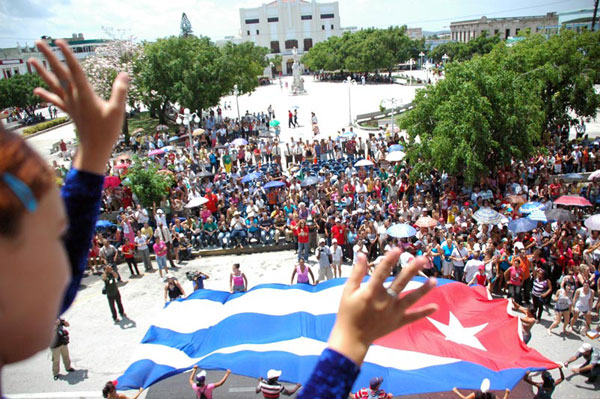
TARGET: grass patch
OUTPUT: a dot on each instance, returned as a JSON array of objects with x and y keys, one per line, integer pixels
[
  {"x": 44, "y": 125},
  {"x": 144, "y": 121}
]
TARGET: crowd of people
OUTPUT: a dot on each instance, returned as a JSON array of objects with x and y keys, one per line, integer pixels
[{"x": 347, "y": 205}]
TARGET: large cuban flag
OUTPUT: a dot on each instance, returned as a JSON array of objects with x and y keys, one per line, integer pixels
[{"x": 470, "y": 337}]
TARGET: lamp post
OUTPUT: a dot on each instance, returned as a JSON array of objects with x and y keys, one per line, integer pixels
[
  {"x": 421, "y": 55},
  {"x": 349, "y": 81},
  {"x": 445, "y": 59},
  {"x": 410, "y": 63},
  {"x": 236, "y": 93},
  {"x": 186, "y": 119},
  {"x": 392, "y": 102}
]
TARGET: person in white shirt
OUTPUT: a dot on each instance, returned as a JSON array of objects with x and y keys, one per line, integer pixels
[
  {"x": 358, "y": 248},
  {"x": 472, "y": 266},
  {"x": 141, "y": 243},
  {"x": 459, "y": 257},
  {"x": 337, "y": 254}
]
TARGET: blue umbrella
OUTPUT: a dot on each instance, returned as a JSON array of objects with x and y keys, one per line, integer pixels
[
  {"x": 251, "y": 176},
  {"x": 103, "y": 224},
  {"x": 531, "y": 206},
  {"x": 275, "y": 183},
  {"x": 522, "y": 225},
  {"x": 395, "y": 147},
  {"x": 401, "y": 230},
  {"x": 487, "y": 216},
  {"x": 538, "y": 215},
  {"x": 348, "y": 134},
  {"x": 174, "y": 138}
]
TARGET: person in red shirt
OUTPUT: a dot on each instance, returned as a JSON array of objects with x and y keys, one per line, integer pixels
[
  {"x": 128, "y": 250},
  {"x": 555, "y": 189},
  {"x": 303, "y": 238},
  {"x": 338, "y": 231},
  {"x": 212, "y": 200},
  {"x": 373, "y": 392}
]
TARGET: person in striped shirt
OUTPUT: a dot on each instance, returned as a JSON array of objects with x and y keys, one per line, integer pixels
[
  {"x": 373, "y": 392},
  {"x": 271, "y": 388}
]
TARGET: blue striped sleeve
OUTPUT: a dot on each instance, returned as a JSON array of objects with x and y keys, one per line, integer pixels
[
  {"x": 332, "y": 377},
  {"x": 81, "y": 193}
]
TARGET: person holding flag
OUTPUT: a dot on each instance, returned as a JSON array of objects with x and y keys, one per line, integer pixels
[
  {"x": 198, "y": 384},
  {"x": 373, "y": 392}
]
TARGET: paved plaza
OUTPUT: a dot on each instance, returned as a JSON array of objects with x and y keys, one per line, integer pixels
[{"x": 101, "y": 350}]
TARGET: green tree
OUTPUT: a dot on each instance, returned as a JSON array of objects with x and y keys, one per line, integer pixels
[
  {"x": 17, "y": 91},
  {"x": 480, "y": 117},
  {"x": 565, "y": 66},
  {"x": 148, "y": 185},
  {"x": 195, "y": 73},
  {"x": 244, "y": 62},
  {"x": 458, "y": 51}
]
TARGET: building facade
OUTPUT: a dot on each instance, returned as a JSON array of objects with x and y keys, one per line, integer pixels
[
  {"x": 283, "y": 25},
  {"x": 465, "y": 31},
  {"x": 13, "y": 61}
]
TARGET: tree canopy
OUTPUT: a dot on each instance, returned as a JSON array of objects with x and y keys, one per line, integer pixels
[
  {"x": 458, "y": 51},
  {"x": 147, "y": 184},
  {"x": 17, "y": 91},
  {"x": 195, "y": 73},
  {"x": 499, "y": 107},
  {"x": 366, "y": 50}
]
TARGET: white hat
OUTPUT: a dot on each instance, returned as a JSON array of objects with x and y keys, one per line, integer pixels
[
  {"x": 169, "y": 275},
  {"x": 519, "y": 245},
  {"x": 273, "y": 374},
  {"x": 334, "y": 241},
  {"x": 584, "y": 348},
  {"x": 321, "y": 240},
  {"x": 160, "y": 211}
]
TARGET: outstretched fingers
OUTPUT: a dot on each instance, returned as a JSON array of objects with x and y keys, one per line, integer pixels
[
  {"x": 359, "y": 271},
  {"x": 61, "y": 72},
  {"x": 413, "y": 296},
  {"x": 50, "y": 97},
  {"x": 75, "y": 70},
  {"x": 408, "y": 273},
  {"x": 50, "y": 79},
  {"x": 416, "y": 314},
  {"x": 119, "y": 92},
  {"x": 384, "y": 268}
]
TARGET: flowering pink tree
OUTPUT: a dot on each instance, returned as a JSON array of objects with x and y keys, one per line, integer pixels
[{"x": 114, "y": 56}]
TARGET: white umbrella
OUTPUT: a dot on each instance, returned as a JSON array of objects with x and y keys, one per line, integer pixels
[
  {"x": 197, "y": 201},
  {"x": 593, "y": 222},
  {"x": 594, "y": 175},
  {"x": 395, "y": 156},
  {"x": 487, "y": 216},
  {"x": 538, "y": 215},
  {"x": 364, "y": 162}
]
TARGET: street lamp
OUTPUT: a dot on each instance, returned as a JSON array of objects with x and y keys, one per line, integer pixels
[
  {"x": 411, "y": 62},
  {"x": 186, "y": 119},
  {"x": 350, "y": 82},
  {"x": 236, "y": 93},
  {"x": 445, "y": 58},
  {"x": 392, "y": 102},
  {"x": 421, "y": 55}
]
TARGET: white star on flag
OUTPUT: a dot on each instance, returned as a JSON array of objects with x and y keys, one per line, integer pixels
[{"x": 455, "y": 332}]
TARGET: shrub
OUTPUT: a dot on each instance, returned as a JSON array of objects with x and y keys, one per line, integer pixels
[{"x": 44, "y": 125}]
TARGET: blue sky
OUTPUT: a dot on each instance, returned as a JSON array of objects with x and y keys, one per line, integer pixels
[{"x": 26, "y": 20}]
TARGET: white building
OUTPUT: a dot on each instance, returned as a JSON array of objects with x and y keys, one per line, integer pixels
[
  {"x": 283, "y": 25},
  {"x": 13, "y": 61}
]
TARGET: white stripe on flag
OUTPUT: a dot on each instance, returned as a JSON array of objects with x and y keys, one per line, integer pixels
[
  {"x": 192, "y": 315},
  {"x": 383, "y": 356}
]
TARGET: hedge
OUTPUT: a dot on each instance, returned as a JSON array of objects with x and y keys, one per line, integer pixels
[{"x": 44, "y": 125}]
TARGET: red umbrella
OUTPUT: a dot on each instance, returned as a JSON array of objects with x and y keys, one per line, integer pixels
[
  {"x": 111, "y": 181},
  {"x": 572, "y": 200}
]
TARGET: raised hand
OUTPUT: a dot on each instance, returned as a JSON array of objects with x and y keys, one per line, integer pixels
[
  {"x": 98, "y": 121},
  {"x": 372, "y": 311}
]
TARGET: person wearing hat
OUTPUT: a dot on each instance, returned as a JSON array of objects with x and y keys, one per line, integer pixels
[
  {"x": 337, "y": 257},
  {"x": 173, "y": 289},
  {"x": 323, "y": 254},
  {"x": 480, "y": 277},
  {"x": 591, "y": 367},
  {"x": 271, "y": 388},
  {"x": 198, "y": 383},
  {"x": 373, "y": 392}
]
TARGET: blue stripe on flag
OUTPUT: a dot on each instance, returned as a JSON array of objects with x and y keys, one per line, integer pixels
[{"x": 298, "y": 369}]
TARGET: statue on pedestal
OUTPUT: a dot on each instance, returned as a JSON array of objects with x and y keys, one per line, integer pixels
[{"x": 298, "y": 82}]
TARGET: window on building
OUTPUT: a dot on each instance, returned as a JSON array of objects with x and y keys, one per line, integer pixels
[
  {"x": 496, "y": 31},
  {"x": 484, "y": 32},
  {"x": 248, "y": 32},
  {"x": 322, "y": 27},
  {"x": 257, "y": 32},
  {"x": 327, "y": 16},
  {"x": 507, "y": 33},
  {"x": 275, "y": 47},
  {"x": 306, "y": 17},
  {"x": 307, "y": 44},
  {"x": 290, "y": 44},
  {"x": 331, "y": 26},
  {"x": 517, "y": 31},
  {"x": 252, "y": 21},
  {"x": 273, "y": 19}
]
